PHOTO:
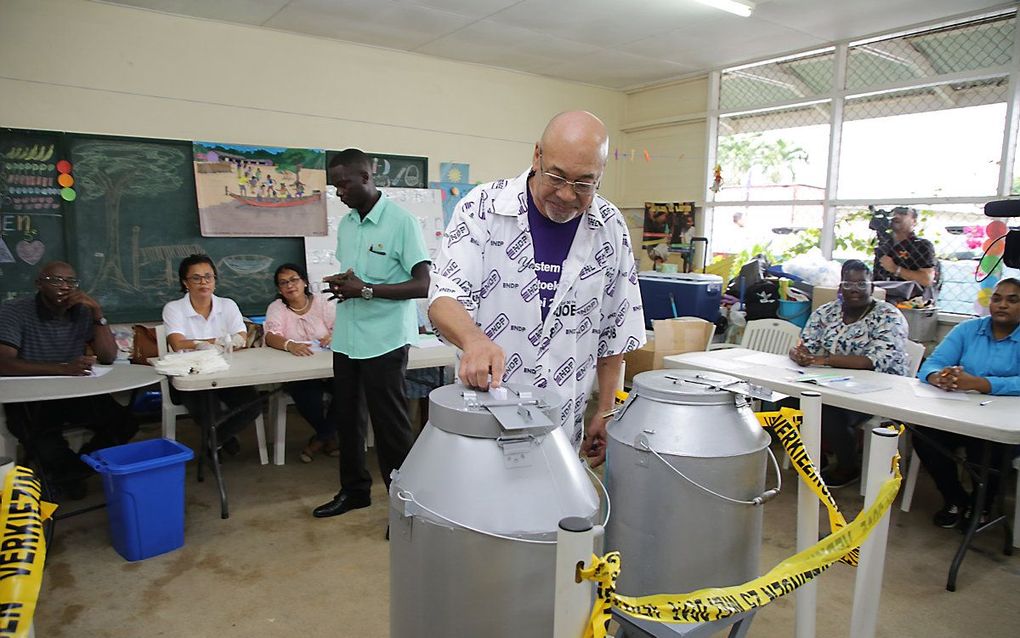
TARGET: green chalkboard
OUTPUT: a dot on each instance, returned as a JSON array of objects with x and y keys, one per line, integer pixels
[
  {"x": 131, "y": 218},
  {"x": 31, "y": 208},
  {"x": 136, "y": 217}
]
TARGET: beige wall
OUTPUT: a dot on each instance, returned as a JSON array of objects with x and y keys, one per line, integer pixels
[
  {"x": 88, "y": 67},
  {"x": 668, "y": 121}
]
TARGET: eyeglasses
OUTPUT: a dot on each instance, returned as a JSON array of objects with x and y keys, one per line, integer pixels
[
  {"x": 855, "y": 285},
  {"x": 284, "y": 282},
  {"x": 197, "y": 279},
  {"x": 557, "y": 182},
  {"x": 58, "y": 282}
]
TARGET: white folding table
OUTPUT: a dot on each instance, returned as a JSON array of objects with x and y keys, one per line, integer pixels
[
  {"x": 119, "y": 378},
  {"x": 994, "y": 422},
  {"x": 262, "y": 366}
]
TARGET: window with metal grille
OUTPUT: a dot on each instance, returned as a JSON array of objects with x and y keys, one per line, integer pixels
[{"x": 805, "y": 144}]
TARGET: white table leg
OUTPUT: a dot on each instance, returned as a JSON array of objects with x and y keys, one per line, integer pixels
[
  {"x": 868, "y": 583},
  {"x": 807, "y": 511},
  {"x": 575, "y": 541}
]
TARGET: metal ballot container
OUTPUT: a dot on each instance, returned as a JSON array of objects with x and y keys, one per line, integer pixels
[
  {"x": 474, "y": 512},
  {"x": 685, "y": 469}
]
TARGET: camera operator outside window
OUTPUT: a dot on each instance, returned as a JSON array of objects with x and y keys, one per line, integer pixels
[{"x": 900, "y": 255}]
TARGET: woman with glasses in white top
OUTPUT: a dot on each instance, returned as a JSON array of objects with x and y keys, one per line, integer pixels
[
  {"x": 196, "y": 322},
  {"x": 857, "y": 332},
  {"x": 301, "y": 323}
]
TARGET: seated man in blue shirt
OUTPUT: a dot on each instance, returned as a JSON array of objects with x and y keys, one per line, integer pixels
[
  {"x": 45, "y": 335},
  {"x": 982, "y": 355}
]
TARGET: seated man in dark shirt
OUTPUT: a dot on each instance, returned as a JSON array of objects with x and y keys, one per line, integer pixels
[
  {"x": 46, "y": 334},
  {"x": 903, "y": 256}
]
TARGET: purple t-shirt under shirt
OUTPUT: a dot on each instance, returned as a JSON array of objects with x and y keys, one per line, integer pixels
[{"x": 552, "y": 244}]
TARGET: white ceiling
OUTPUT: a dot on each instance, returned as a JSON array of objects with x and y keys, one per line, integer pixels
[{"x": 616, "y": 44}]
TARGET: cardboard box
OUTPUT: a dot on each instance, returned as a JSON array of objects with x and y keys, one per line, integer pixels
[
  {"x": 672, "y": 336},
  {"x": 824, "y": 294}
]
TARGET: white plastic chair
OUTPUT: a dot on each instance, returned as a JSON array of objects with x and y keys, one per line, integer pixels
[
  {"x": 171, "y": 410},
  {"x": 774, "y": 336}
]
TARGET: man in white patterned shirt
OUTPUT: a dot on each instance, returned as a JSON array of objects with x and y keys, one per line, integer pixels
[{"x": 536, "y": 280}]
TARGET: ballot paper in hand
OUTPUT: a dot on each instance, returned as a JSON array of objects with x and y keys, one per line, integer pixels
[{"x": 312, "y": 345}]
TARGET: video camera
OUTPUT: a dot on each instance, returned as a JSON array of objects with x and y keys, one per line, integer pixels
[{"x": 881, "y": 220}]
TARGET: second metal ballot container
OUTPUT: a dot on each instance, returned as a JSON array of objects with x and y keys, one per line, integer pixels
[
  {"x": 474, "y": 512},
  {"x": 685, "y": 469}
]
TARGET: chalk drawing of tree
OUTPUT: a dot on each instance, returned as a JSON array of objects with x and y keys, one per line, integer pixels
[{"x": 111, "y": 170}]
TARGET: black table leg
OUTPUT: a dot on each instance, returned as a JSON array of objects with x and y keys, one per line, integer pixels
[
  {"x": 213, "y": 406},
  {"x": 1000, "y": 500},
  {"x": 977, "y": 504}
]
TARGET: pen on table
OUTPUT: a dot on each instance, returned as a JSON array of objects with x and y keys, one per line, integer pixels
[
  {"x": 986, "y": 402},
  {"x": 833, "y": 380}
]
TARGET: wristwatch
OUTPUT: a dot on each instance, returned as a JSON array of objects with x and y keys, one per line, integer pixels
[
  {"x": 100, "y": 321},
  {"x": 366, "y": 293}
]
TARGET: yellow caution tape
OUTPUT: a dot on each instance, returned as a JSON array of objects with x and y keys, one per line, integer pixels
[
  {"x": 710, "y": 604},
  {"x": 786, "y": 425},
  {"x": 22, "y": 550},
  {"x": 714, "y": 603}
]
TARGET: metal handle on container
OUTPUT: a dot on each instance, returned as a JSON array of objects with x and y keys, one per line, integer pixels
[
  {"x": 408, "y": 497},
  {"x": 761, "y": 499},
  {"x": 605, "y": 492}
]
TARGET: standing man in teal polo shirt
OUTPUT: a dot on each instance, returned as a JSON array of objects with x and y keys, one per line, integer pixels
[{"x": 382, "y": 249}]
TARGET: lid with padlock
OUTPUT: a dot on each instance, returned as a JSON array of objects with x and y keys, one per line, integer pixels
[
  {"x": 693, "y": 387},
  {"x": 512, "y": 408}
]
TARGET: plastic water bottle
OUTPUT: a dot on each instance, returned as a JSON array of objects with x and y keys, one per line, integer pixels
[{"x": 228, "y": 346}]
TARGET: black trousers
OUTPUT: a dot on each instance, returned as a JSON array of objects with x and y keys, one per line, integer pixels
[
  {"x": 380, "y": 380},
  {"x": 197, "y": 403},
  {"x": 944, "y": 470},
  {"x": 39, "y": 426},
  {"x": 308, "y": 399},
  {"x": 839, "y": 435}
]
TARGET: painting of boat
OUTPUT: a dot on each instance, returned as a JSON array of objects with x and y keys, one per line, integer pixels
[
  {"x": 266, "y": 191},
  {"x": 274, "y": 202}
]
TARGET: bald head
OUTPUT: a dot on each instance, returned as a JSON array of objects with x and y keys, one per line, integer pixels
[
  {"x": 56, "y": 268},
  {"x": 573, "y": 150},
  {"x": 579, "y": 134}
]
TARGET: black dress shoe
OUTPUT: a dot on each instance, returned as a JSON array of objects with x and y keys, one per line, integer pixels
[{"x": 341, "y": 504}]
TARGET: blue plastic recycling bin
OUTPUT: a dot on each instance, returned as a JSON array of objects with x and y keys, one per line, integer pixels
[{"x": 144, "y": 486}]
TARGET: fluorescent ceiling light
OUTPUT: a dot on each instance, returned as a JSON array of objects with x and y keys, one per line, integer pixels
[{"x": 742, "y": 8}]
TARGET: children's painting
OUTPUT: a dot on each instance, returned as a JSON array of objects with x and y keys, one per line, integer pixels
[{"x": 260, "y": 191}]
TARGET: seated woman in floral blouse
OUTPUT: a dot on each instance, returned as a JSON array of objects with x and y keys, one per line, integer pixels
[{"x": 858, "y": 332}]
